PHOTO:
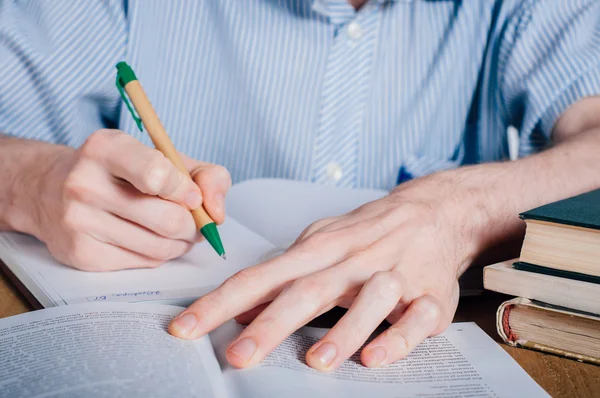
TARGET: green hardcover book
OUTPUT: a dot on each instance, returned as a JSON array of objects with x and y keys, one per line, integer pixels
[{"x": 563, "y": 238}]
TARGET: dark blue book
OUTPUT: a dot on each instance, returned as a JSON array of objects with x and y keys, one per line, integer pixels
[{"x": 563, "y": 239}]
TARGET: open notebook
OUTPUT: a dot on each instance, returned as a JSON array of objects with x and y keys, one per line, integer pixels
[
  {"x": 263, "y": 218},
  {"x": 123, "y": 349}
]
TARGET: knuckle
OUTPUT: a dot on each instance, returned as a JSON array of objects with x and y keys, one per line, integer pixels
[
  {"x": 305, "y": 234},
  {"x": 393, "y": 214},
  {"x": 96, "y": 142},
  {"x": 173, "y": 224},
  {"x": 317, "y": 240},
  {"x": 399, "y": 340},
  {"x": 248, "y": 278},
  {"x": 71, "y": 218},
  {"x": 427, "y": 309},
  {"x": 308, "y": 293},
  {"x": 77, "y": 188},
  {"x": 264, "y": 323},
  {"x": 157, "y": 173},
  {"x": 177, "y": 182},
  {"x": 317, "y": 232},
  {"x": 208, "y": 173},
  {"x": 422, "y": 214},
  {"x": 308, "y": 287},
  {"x": 223, "y": 173},
  {"x": 388, "y": 284},
  {"x": 162, "y": 250},
  {"x": 314, "y": 227},
  {"x": 355, "y": 335},
  {"x": 207, "y": 303}
]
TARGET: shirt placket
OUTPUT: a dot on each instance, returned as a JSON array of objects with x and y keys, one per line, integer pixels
[{"x": 345, "y": 92}]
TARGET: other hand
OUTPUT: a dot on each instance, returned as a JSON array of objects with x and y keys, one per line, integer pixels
[
  {"x": 397, "y": 258},
  {"x": 115, "y": 203}
]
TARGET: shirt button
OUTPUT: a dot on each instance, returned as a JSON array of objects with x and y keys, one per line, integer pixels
[
  {"x": 334, "y": 171},
  {"x": 354, "y": 31}
]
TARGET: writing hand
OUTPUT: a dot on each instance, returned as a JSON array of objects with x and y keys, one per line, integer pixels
[
  {"x": 115, "y": 203},
  {"x": 397, "y": 258}
]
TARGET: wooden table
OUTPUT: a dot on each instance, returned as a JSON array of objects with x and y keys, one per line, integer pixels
[{"x": 559, "y": 376}]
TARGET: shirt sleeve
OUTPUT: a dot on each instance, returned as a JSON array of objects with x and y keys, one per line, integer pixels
[
  {"x": 549, "y": 58},
  {"x": 57, "y": 67}
]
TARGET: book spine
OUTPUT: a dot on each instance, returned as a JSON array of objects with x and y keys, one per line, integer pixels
[
  {"x": 503, "y": 323},
  {"x": 509, "y": 337}
]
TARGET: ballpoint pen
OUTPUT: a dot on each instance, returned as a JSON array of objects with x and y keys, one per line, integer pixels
[{"x": 127, "y": 83}]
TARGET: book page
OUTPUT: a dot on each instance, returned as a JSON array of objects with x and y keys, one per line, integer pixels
[
  {"x": 103, "y": 350},
  {"x": 279, "y": 210},
  {"x": 461, "y": 362},
  {"x": 179, "y": 282}
]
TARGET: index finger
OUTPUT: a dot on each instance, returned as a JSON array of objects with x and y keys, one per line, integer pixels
[
  {"x": 252, "y": 287},
  {"x": 145, "y": 168}
]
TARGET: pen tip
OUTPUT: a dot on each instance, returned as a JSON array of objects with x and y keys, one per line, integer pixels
[{"x": 224, "y": 256}]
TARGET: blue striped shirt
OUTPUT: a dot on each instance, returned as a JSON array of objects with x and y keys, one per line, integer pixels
[{"x": 305, "y": 89}]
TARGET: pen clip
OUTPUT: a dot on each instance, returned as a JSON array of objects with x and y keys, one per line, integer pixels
[{"x": 121, "y": 89}]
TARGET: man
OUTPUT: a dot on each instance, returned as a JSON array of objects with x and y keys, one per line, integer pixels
[{"x": 353, "y": 93}]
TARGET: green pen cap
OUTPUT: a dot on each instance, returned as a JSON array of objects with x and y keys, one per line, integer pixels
[{"x": 125, "y": 73}]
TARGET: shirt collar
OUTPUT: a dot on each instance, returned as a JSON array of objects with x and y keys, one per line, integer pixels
[
  {"x": 322, "y": 6},
  {"x": 324, "y": 2}
]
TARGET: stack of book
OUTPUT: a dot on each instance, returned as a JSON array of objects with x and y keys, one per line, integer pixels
[{"x": 556, "y": 280}]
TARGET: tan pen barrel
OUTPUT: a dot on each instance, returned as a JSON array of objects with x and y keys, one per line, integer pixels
[{"x": 161, "y": 140}]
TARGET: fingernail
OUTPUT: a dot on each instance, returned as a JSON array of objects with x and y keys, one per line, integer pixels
[
  {"x": 376, "y": 356},
  {"x": 245, "y": 348},
  {"x": 326, "y": 354},
  {"x": 193, "y": 200},
  {"x": 156, "y": 178},
  {"x": 185, "y": 324}
]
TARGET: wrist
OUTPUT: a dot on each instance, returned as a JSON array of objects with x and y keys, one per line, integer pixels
[
  {"x": 482, "y": 208},
  {"x": 35, "y": 161},
  {"x": 471, "y": 206}
]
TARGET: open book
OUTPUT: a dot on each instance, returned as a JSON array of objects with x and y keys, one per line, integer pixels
[
  {"x": 120, "y": 349},
  {"x": 263, "y": 218}
]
